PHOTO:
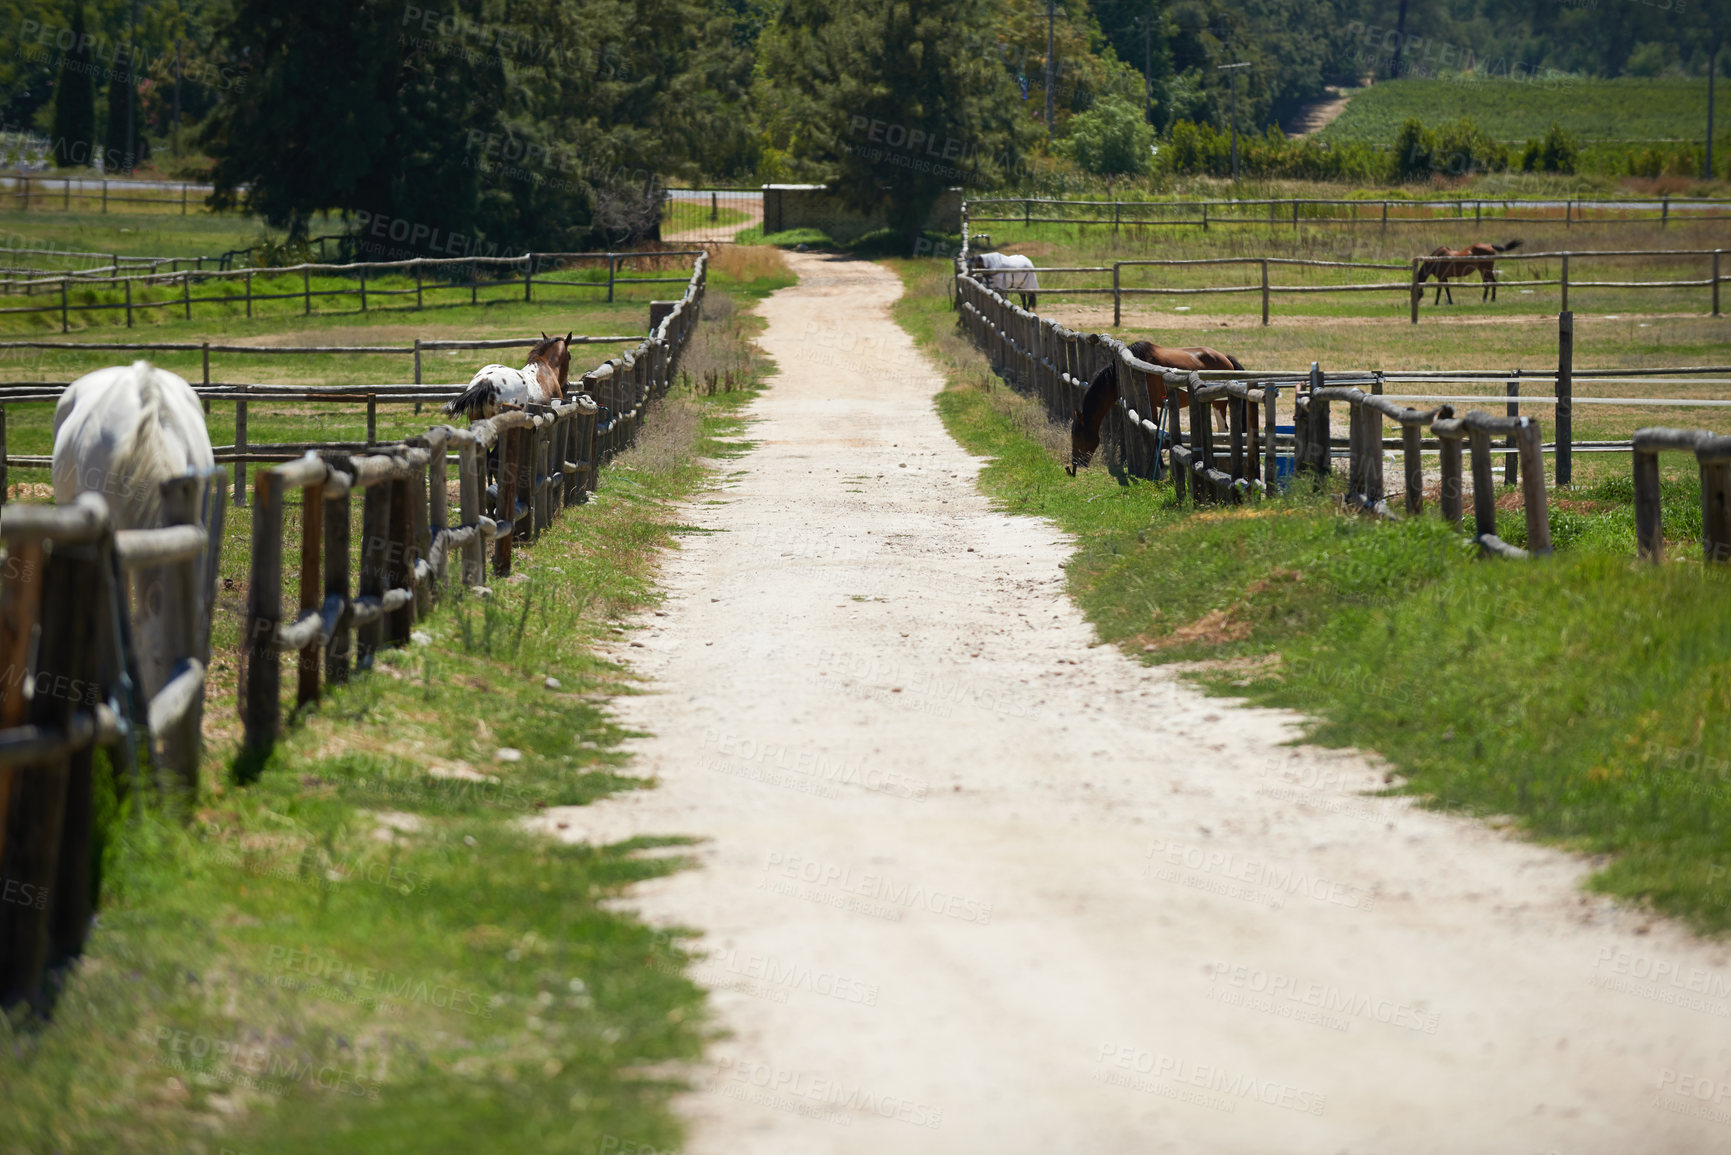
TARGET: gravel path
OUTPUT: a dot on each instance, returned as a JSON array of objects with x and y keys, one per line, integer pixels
[{"x": 972, "y": 884}]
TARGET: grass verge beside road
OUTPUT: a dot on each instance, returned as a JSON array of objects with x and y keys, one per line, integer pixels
[
  {"x": 1588, "y": 697},
  {"x": 366, "y": 951}
]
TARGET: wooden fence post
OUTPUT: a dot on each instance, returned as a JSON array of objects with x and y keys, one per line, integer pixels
[
  {"x": 1412, "y": 466},
  {"x": 1265, "y": 290},
  {"x": 186, "y": 293},
  {"x": 1715, "y": 501},
  {"x": 1417, "y": 292},
  {"x": 1565, "y": 397},
  {"x": 438, "y": 499},
  {"x": 1532, "y": 450},
  {"x": 248, "y": 280},
  {"x": 1716, "y": 253},
  {"x": 1564, "y": 307},
  {"x": 1484, "y": 484},
  {"x": 65, "y": 324},
  {"x": 417, "y": 290},
  {"x": 126, "y": 283},
  {"x": 372, "y": 419},
  {"x": 1649, "y": 540},
  {"x": 240, "y": 449},
  {"x": 363, "y": 288},
  {"x": 337, "y": 604},
  {"x": 609, "y": 279},
  {"x": 1117, "y": 298},
  {"x": 307, "y": 289},
  {"x": 1510, "y": 471},
  {"x": 505, "y": 507},
  {"x": 1271, "y": 464},
  {"x": 528, "y": 277},
  {"x": 400, "y": 559},
  {"x": 473, "y": 459},
  {"x": 262, "y": 712},
  {"x": 311, "y": 583},
  {"x": 375, "y": 566},
  {"x": 206, "y": 360}
]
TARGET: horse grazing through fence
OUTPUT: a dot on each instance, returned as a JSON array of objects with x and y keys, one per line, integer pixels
[
  {"x": 121, "y": 432},
  {"x": 1191, "y": 359},
  {"x": 1015, "y": 273},
  {"x": 541, "y": 380},
  {"x": 1463, "y": 263},
  {"x": 1101, "y": 395}
]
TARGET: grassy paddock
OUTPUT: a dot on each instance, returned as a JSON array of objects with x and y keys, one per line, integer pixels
[
  {"x": 1587, "y": 696},
  {"x": 366, "y": 951}
]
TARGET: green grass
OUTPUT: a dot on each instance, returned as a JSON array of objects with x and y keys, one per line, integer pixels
[
  {"x": 138, "y": 234},
  {"x": 1516, "y": 111},
  {"x": 1587, "y": 696},
  {"x": 357, "y": 955}
]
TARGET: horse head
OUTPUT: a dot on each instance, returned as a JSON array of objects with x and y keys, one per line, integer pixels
[{"x": 1083, "y": 443}]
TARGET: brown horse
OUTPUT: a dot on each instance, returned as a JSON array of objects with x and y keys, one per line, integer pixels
[
  {"x": 1102, "y": 394},
  {"x": 1192, "y": 359},
  {"x": 1463, "y": 263}
]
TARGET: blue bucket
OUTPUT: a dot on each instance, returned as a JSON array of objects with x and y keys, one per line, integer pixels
[{"x": 1284, "y": 463}]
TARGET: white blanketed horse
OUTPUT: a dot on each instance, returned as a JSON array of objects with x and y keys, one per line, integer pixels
[
  {"x": 121, "y": 433},
  {"x": 1015, "y": 273}
]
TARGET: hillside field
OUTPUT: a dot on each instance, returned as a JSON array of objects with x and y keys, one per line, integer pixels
[{"x": 1625, "y": 109}]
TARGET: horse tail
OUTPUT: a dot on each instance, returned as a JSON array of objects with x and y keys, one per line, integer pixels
[
  {"x": 1236, "y": 363},
  {"x": 477, "y": 401},
  {"x": 142, "y": 458},
  {"x": 1503, "y": 248}
]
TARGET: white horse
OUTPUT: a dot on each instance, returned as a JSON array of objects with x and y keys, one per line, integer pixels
[
  {"x": 539, "y": 382},
  {"x": 1016, "y": 280},
  {"x": 120, "y": 433}
]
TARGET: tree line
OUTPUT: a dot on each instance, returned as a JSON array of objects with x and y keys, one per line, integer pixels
[{"x": 517, "y": 124}]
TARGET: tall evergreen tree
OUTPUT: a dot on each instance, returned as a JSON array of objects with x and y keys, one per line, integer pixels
[
  {"x": 114, "y": 152},
  {"x": 75, "y": 100},
  {"x": 894, "y": 100}
]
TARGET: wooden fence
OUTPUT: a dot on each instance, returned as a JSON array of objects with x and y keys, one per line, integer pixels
[
  {"x": 29, "y": 193},
  {"x": 1298, "y": 211},
  {"x": 1040, "y": 356},
  {"x": 71, "y": 686},
  {"x": 510, "y": 272},
  {"x": 244, "y": 452},
  {"x": 548, "y": 458},
  {"x": 1410, "y": 284}
]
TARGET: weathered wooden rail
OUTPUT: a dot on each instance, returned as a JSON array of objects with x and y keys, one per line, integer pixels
[
  {"x": 72, "y": 684},
  {"x": 358, "y": 597}
]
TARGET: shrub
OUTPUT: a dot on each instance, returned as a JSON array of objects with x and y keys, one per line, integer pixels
[
  {"x": 1558, "y": 152},
  {"x": 1110, "y": 139}
]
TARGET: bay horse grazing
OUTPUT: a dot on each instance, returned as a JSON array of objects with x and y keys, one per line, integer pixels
[
  {"x": 1017, "y": 275},
  {"x": 1191, "y": 359},
  {"x": 121, "y": 432},
  {"x": 542, "y": 380},
  {"x": 1101, "y": 395},
  {"x": 1463, "y": 263}
]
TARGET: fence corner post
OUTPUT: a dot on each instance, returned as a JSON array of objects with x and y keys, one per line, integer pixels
[{"x": 1565, "y": 397}]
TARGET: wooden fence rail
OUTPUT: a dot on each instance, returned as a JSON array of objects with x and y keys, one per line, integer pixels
[
  {"x": 547, "y": 459},
  {"x": 71, "y": 686},
  {"x": 1298, "y": 211},
  {"x": 531, "y": 264},
  {"x": 1409, "y": 285}
]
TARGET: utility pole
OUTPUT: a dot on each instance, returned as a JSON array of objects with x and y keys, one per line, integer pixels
[
  {"x": 1232, "y": 115},
  {"x": 1148, "y": 68},
  {"x": 1051, "y": 36},
  {"x": 132, "y": 93},
  {"x": 1712, "y": 70}
]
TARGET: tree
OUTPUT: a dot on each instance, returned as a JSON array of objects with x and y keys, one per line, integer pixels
[
  {"x": 75, "y": 101},
  {"x": 1112, "y": 139},
  {"x": 115, "y": 157},
  {"x": 892, "y": 100}
]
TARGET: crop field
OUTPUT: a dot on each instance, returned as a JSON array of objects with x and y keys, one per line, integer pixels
[{"x": 1622, "y": 109}]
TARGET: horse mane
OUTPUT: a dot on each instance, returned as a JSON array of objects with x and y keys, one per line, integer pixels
[
  {"x": 1102, "y": 391},
  {"x": 141, "y": 458}
]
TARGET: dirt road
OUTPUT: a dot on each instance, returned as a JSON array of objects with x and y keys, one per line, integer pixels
[{"x": 973, "y": 885}]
